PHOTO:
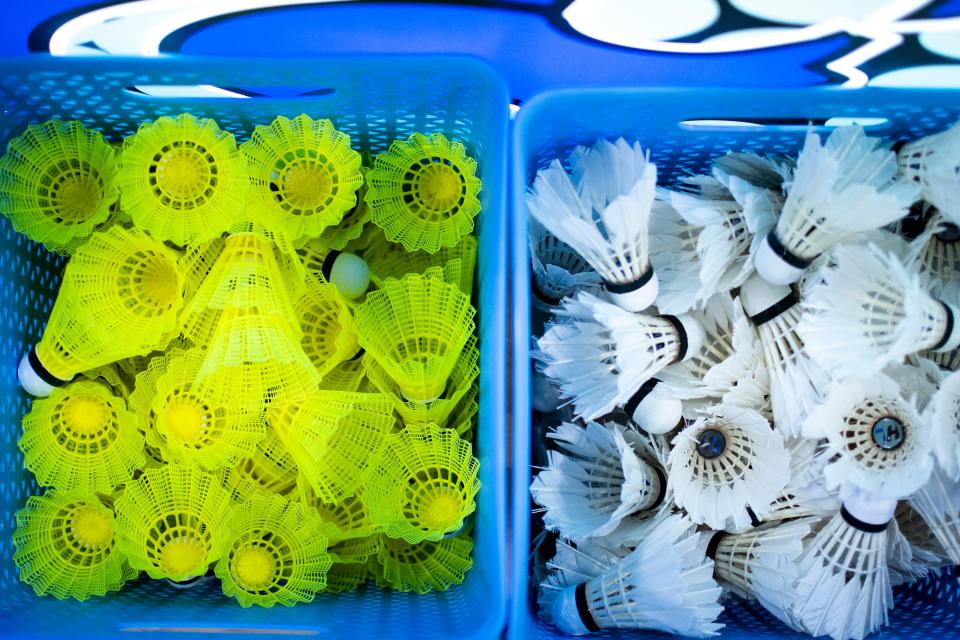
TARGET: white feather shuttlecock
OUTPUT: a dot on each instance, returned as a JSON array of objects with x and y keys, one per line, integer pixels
[
  {"x": 938, "y": 503},
  {"x": 906, "y": 564},
  {"x": 673, "y": 254},
  {"x": 558, "y": 270},
  {"x": 919, "y": 534},
  {"x": 944, "y": 416},
  {"x": 573, "y": 564},
  {"x": 843, "y": 589},
  {"x": 796, "y": 383},
  {"x": 601, "y": 355},
  {"x": 839, "y": 189},
  {"x": 726, "y": 466},
  {"x": 603, "y": 213},
  {"x": 760, "y": 564},
  {"x": 767, "y": 173},
  {"x": 933, "y": 163},
  {"x": 665, "y": 584},
  {"x": 937, "y": 251},
  {"x": 867, "y": 310},
  {"x": 878, "y": 441},
  {"x": 593, "y": 480}
]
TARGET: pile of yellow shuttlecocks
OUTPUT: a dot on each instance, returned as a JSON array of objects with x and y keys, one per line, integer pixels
[{"x": 240, "y": 374}]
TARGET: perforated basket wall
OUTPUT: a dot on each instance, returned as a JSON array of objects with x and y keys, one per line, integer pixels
[
  {"x": 549, "y": 127},
  {"x": 375, "y": 100}
]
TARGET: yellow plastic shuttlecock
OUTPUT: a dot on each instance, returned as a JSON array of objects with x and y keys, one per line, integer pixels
[
  {"x": 390, "y": 260},
  {"x": 424, "y": 566},
  {"x": 416, "y": 328},
  {"x": 461, "y": 379},
  {"x": 271, "y": 470},
  {"x": 464, "y": 416},
  {"x": 346, "y": 577},
  {"x": 120, "y": 296},
  {"x": 353, "y": 536},
  {"x": 346, "y": 376},
  {"x": 170, "y": 521},
  {"x": 304, "y": 175},
  {"x": 196, "y": 264},
  {"x": 82, "y": 437},
  {"x": 348, "y": 271},
  {"x": 66, "y": 546},
  {"x": 273, "y": 552},
  {"x": 424, "y": 485},
  {"x": 58, "y": 181},
  {"x": 187, "y": 426},
  {"x": 351, "y": 227},
  {"x": 423, "y": 192},
  {"x": 111, "y": 375},
  {"x": 246, "y": 277},
  {"x": 182, "y": 179},
  {"x": 335, "y": 438},
  {"x": 327, "y": 324}
]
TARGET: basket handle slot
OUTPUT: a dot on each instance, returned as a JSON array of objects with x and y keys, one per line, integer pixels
[
  {"x": 780, "y": 124},
  {"x": 209, "y": 91}
]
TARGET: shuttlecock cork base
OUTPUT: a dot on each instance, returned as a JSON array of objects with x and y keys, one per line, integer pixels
[
  {"x": 637, "y": 295},
  {"x": 653, "y": 409},
  {"x": 36, "y": 379},
  {"x": 349, "y": 272},
  {"x": 776, "y": 264}
]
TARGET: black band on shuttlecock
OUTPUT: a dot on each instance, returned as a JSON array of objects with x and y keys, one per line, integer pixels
[
  {"x": 681, "y": 336},
  {"x": 775, "y": 310},
  {"x": 754, "y": 520},
  {"x": 627, "y": 287},
  {"x": 327, "y": 265},
  {"x": 857, "y": 523},
  {"x": 949, "y": 234},
  {"x": 714, "y": 544},
  {"x": 949, "y": 330},
  {"x": 663, "y": 488},
  {"x": 359, "y": 354},
  {"x": 580, "y": 597},
  {"x": 785, "y": 254},
  {"x": 638, "y": 397},
  {"x": 896, "y": 146},
  {"x": 42, "y": 372}
]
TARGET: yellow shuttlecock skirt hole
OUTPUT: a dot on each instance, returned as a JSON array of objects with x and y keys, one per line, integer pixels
[
  {"x": 259, "y": 566},
  {"x": 183, "y": 174},
  {"x": 85, "y": 424},
  {"x": 186, "y": 419},
  {"x": 71, "y": 189},
  {"x": 303, "y": 181},
  {"x": 415, "y": 357},
  {"x": 148, "y": 282},
  {"x": 434, "y": 188},
  {"x": 179, "y": 545},
  {"x": 83, "y": 534},
  {"x": 435, "y": 499}
]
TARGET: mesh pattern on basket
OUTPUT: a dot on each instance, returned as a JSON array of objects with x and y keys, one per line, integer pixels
[
  {"x": 327, "y": 324},
  {"x": 461, "y": 379},
  {"x": 82, "y": 437},
  {"x": 423, "y": 192},
  {"x": 390, "y": 260},
  {"x": 169, "y": 521},
  {"x": 424, "y": 566},
  {"x": 424, "y": 485},
  {"x": 336, "y": 438},
  {"x": 273, "y": 552},
  {"x": 187, "y": 426},
  {"x": 119, "y": 298},
  {"x": 304, "y": 176},
  {"x": 58, "y": 181},
  {"x": 182, "y": 179},
  {"x": 415, "y": 328}
]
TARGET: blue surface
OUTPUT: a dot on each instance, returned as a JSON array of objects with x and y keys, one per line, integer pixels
[
  {"x": 375, "y": 100},
  {"x": 549, "y": 127}
]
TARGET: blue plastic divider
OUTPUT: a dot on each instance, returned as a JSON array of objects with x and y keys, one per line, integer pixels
[
  {"x": 676, "y": 125},
  {"x": 375, "y": 99}
]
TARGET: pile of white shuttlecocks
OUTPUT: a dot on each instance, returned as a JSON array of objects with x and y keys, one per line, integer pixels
[{"x": 753, "y": 377}]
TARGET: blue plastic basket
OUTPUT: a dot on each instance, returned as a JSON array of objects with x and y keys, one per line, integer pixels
[
  {"x": 375, "y": 100},
  {"x": 675, "y": 125}
]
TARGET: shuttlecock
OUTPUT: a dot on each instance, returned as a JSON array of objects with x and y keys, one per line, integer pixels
[
  {"x": 726, "y": 462},
  {"x": 182, "y": 179},
  {"x": 674, "y": 257},
  {"x": 933, "y": 163},
  {"x": 170, "y": 521},
  {"x": 682, "y": 599},
  {"x": 761, "y": 563},
  {"x": 843, "y": 589},
  {"x": 390, "y": 260},
  {"x": 271, "y": 470},
  {"x": 347, "y": 271},
  {"x": 878, "y": 441},
  {"x": 273, "y": 552},
  {"x": 558, "y": 270},
  {"x": 593, "y": 480},
  {"x": 839, "y": 189},
  {"x": 352, "y": 226},
  {"x": 415, "y": 328},
  {"x": 352, "y": 534},
  {"x": 303, "y": 175},
  {"x": 424, "y": 485},
  {"x": 944, "y": 417},
  {"x": 65, "y": 545},
  {"x": 425, "y": 566},
  {"x": 938, "y": 503},
  {"x": 572, "y": 564},
  {"x": 329, "y": 337},
  {"x": 58, "y": 182},
  {"x": 867, "y": 310},
  {"x": 937, "y": 252},
  {"x": 346, "y": 376},
  {"x": 603, "y": 213},
  {"x": 81, "y": 438},
  {"x": 422, "y": 192},
  {"x": 120, "y": 296},
  {"x": 796, "y": 382},
  {"x": 602, "y": 355}
]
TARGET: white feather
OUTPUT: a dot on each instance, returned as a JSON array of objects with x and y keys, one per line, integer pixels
[
  {"x": 673, "y": 254},
  {"x": 558, "y": 270},
  {"x": 944, "y": 416},
  {"x": 938, "y": 503},
  {"x": 937, "y": 251},
  {"x": 933, "y": 163}
]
